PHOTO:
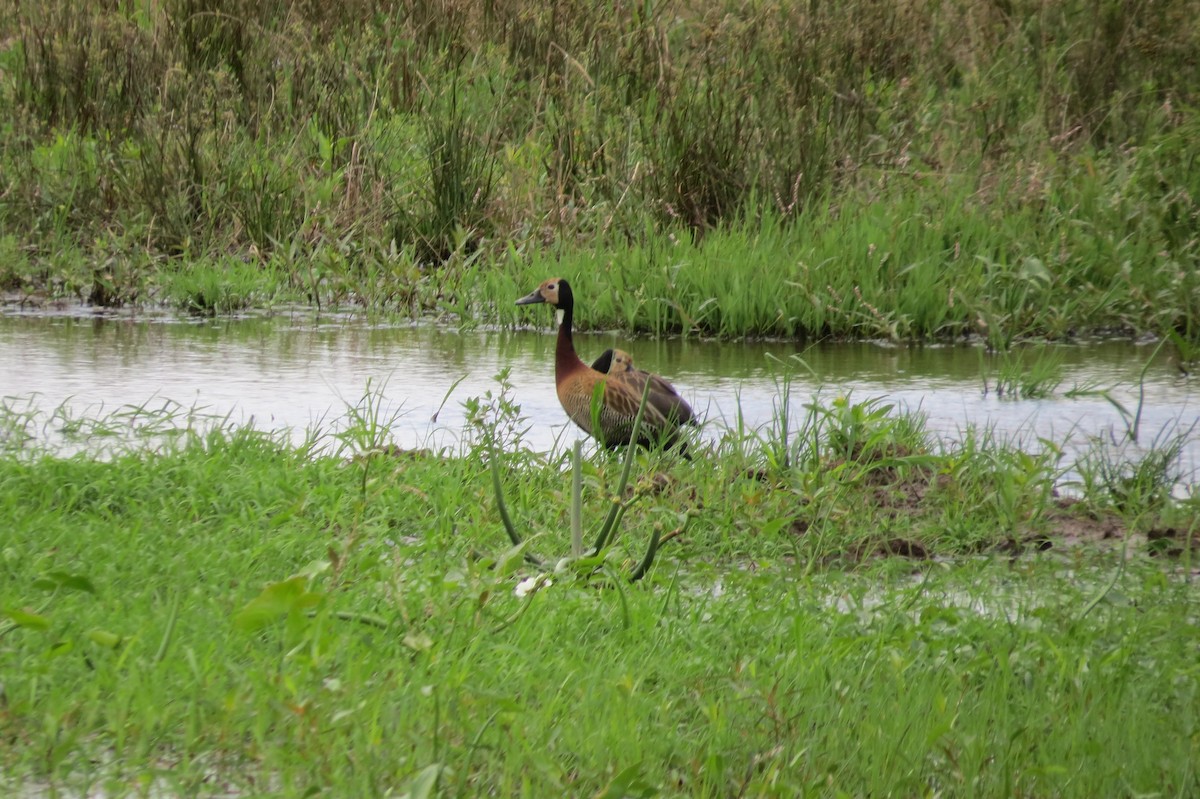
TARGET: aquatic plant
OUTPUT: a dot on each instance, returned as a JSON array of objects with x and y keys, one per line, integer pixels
[{"x": 1032, "y": 372}]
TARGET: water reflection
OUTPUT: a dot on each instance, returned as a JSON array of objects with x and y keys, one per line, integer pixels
[{"x": 294, "y": 370}]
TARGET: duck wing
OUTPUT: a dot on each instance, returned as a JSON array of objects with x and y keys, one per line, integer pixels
[{"x": 663, "y": 397}]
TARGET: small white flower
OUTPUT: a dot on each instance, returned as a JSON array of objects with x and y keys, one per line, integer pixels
[{"x": 531, "y": 584}]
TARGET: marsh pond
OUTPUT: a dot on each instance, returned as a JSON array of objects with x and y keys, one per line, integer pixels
[{"x": 299, "y": 371}]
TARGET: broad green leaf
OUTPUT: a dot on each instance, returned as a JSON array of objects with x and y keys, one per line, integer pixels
[
  {"x": 276, "y": 600},
  {"x": 511, "y": 560},
  {"x": 26, "y": 618},
  {"x": 418, "y": 642},
  {"x": 423, "y": 784},
  {"x": 104, "y": 638},
  {"x": 629, "y": 783},
  {"x": 1034, "y": 270},
  {"x": 60, "y": 648},
  {"x": 773, "y": 526},
  {"x": 61, "y": 579},
  {"x": 315, "y": 568},
  {"x": 590, "y": 563}
]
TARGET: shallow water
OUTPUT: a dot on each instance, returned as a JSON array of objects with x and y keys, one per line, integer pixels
[{"x": 295, "y": 370}]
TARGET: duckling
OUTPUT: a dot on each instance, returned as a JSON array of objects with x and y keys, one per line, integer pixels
[
  {"x": 619, "y": 364},
  {"x": 619, "y": 393}
]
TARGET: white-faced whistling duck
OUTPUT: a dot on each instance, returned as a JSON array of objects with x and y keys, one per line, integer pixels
[{"x": 614, "y": 381}]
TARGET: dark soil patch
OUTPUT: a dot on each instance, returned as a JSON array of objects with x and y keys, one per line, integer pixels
[
  {"x": 1064, "y": 524},
  {"x": 1172, "y": 541},
  {"x": 893, "y": 547}
]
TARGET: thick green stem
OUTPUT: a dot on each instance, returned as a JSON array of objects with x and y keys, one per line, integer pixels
[
  {"x": 165, "y": 644},
  {"x": 656, "y": 540},
  {"x": 648, "y": 560},
  {"x": 606, "y": 532},
  {"x": 577, "y": 500},
  {"x": 501, "y": 506}
]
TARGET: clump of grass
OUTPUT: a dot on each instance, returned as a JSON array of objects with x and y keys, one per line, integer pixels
[
  {"x": 1187, "y": 354},
  {"x": 461, "y": 171},
  {"x": 1136, "y": 482},
  {"x": 1027, "y": 373},
  {"x": 211, "y": 288},
  {"x": 16, "y": 425}
]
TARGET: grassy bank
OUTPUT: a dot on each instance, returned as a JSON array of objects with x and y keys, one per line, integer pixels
[
  {"x": 850, "y": 611},
  {"x": 843, "y": 169}
]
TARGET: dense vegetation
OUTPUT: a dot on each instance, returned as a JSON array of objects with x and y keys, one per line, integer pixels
[
  {"x": 215, "y": 611},
  {"x": 860, "y": 168}
]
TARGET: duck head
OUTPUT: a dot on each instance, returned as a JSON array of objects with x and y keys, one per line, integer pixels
[
  {"x": 622, "y": 361},
  {"x": 555, "y": 291}
]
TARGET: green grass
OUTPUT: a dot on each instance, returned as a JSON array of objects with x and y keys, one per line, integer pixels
[
  {"x": 852, "y": 170},
  {"x": 871, "y": 614},
  {"x": 1023, "y": 374}
]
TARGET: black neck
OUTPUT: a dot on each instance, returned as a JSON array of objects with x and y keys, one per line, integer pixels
[
  {"x": 565, "y": 359},
  {"x": 566, "y": 304}
]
